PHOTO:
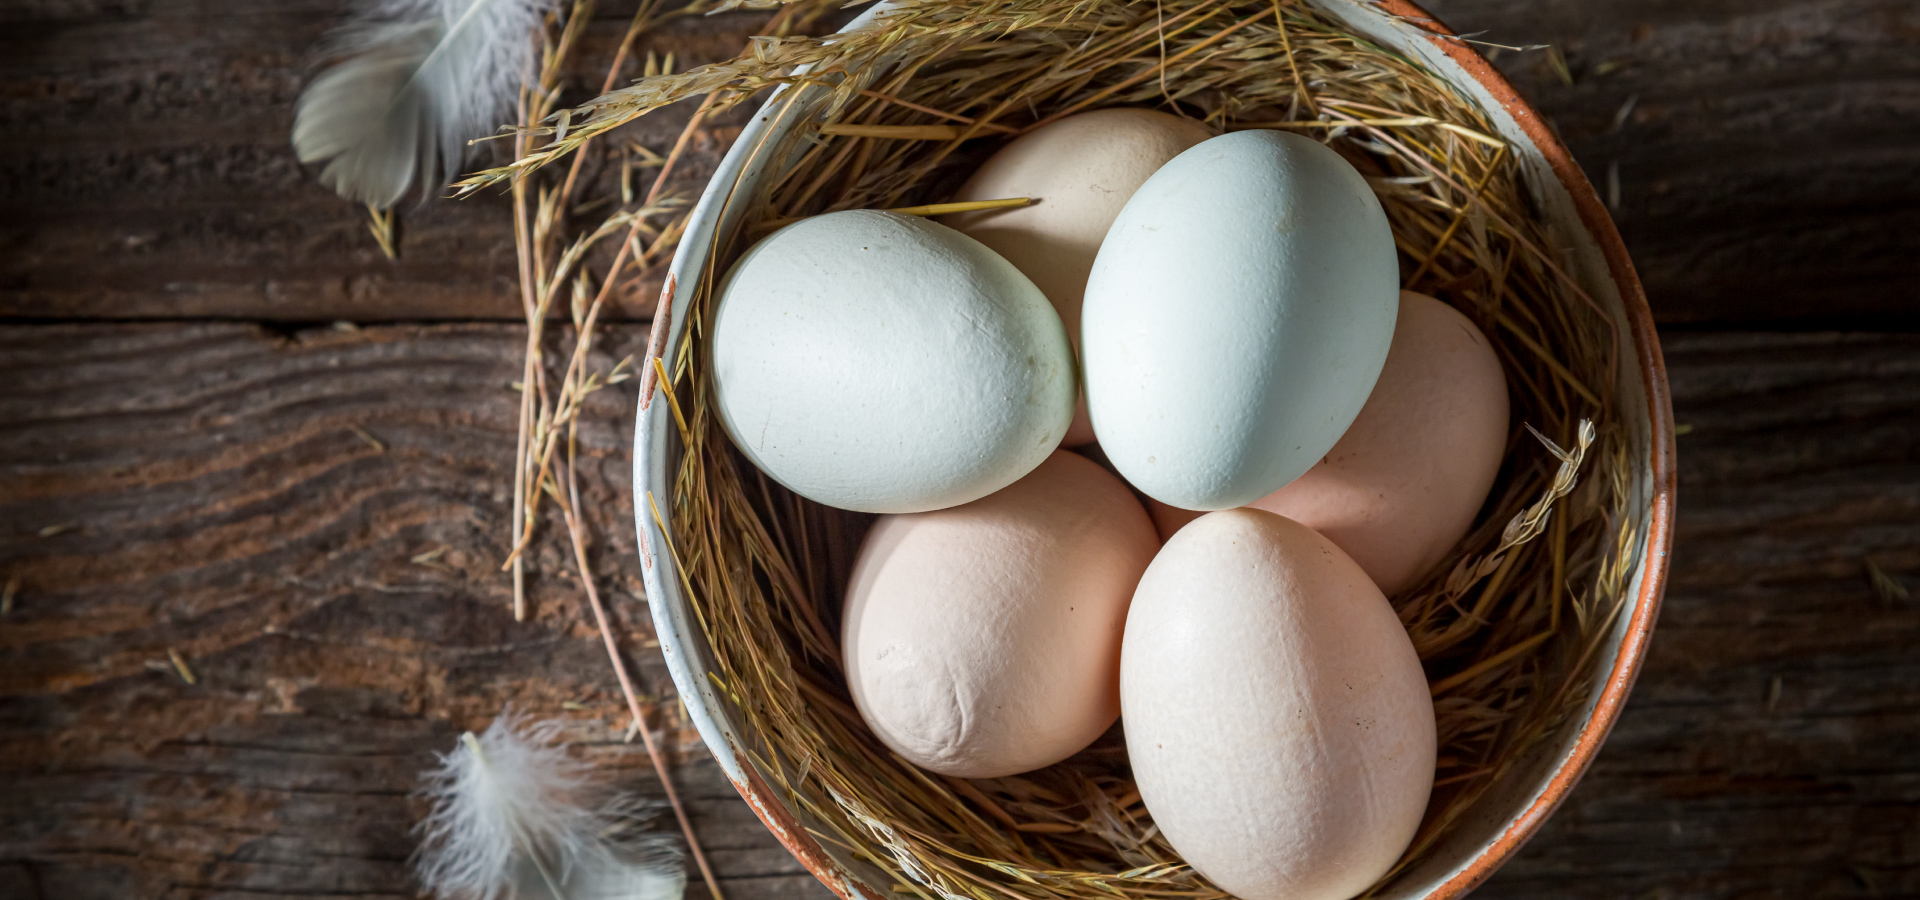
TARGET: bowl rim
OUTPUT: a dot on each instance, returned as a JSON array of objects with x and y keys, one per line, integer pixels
[
  {"x": 1662, "y": 473},
  {"x": 680, "y": 637}
]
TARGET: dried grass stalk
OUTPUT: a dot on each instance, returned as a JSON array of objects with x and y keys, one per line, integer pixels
[
  {"x": 1508, "y": 627},
  {"x": 554, "y": 267}
]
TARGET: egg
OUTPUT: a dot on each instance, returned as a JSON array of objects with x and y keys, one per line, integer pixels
[
  {"x": 984, "y": 640},
  {"x": 1277, "y": 719},
  {"x": 1236, "y": 318},
  {"x": 1403, "y": 485},
  {"x": 1080, "y": 172},
  {"x": 883, "y": 363}
]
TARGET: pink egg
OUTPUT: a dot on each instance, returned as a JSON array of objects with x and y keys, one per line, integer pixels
[
  {"x": 1403, "y": 485},
  {"x": 1080, "y": 171},
  {"x": 1278, "y": 721},
  {"x": 984, "y": 639}
]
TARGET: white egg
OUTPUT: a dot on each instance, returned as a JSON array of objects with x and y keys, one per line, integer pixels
[
  {"x": 883, "y": 363},
  {"x": 1278, "y": 722},
  {"x": 1237, "y": 316}
]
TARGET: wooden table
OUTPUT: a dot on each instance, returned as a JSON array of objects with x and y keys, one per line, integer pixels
[{"x": 195, "y": 459}]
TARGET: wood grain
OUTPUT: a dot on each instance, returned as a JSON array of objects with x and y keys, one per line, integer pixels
[
  {"x": 217, "y": 491},
  {"x": 1769, "y": 747},
  {"x": 219, "y": 502},
  {"x": 255, "y": 497},
  {"x": 1767, "y": 162},
  {"x": 146, "y": 170},
  {"x": 1765, "y": 154}
]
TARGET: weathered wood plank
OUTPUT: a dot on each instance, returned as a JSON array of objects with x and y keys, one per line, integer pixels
[
  {"x": 1768, "y": 750},
  {"x": 222, "y": 506},
  {"x": 146, "y": 170},
  {"x": 218, "y": 501},
  {"x": 1768, "y": 169},
  {"x": 1765, "y": 155}
]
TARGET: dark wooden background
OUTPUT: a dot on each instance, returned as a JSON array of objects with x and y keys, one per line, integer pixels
[{"x": 195, "y": 458}]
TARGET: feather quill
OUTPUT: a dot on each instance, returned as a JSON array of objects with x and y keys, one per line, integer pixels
[
  {"x": 420, "y": 79},
  {"x": 516, "y": 818}
]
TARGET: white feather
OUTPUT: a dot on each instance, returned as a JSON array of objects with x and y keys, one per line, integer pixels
[
  {"x": 515, "y": 817},
  {"x": 421, "y": 79}
]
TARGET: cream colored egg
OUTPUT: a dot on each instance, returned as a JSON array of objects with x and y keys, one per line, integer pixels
[
  {"x": 1404, "y": 483},
  {"x": 984, "y": 640},
  {"x": 883, "y": 363},
  {"x": 1168, "y": 520},
  {"x": 1278, "y": 721},
  {"x": 1080, "y": 172}
]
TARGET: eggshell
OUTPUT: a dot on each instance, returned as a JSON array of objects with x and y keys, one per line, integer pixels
[
  {"x": 1278, "y": 722},
  {"x": 984, "y": 640},
  {"x": 1236, "y": 318},
  {"x": 1080, "y": 172},
  {"x": 1404, "y": 483},
  {"x": 883, "y": 363},
  {"x": 1168, "y": 520}
]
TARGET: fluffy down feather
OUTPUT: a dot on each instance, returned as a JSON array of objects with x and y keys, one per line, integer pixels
[
  {"x": 420, "y": 78},
  {"x": 515, "y": 817}
]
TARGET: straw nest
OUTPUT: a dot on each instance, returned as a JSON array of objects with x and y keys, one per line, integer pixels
[{"x": 1508, "y": 628}]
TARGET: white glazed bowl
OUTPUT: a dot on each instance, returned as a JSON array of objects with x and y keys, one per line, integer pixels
[{"x": 1508, "y": 814}]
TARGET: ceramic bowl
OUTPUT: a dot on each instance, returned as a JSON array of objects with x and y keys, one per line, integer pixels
[{"x": 1513, "y": 810}]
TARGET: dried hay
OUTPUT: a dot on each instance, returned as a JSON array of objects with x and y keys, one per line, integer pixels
[{"x": 1508, "y": 628}]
